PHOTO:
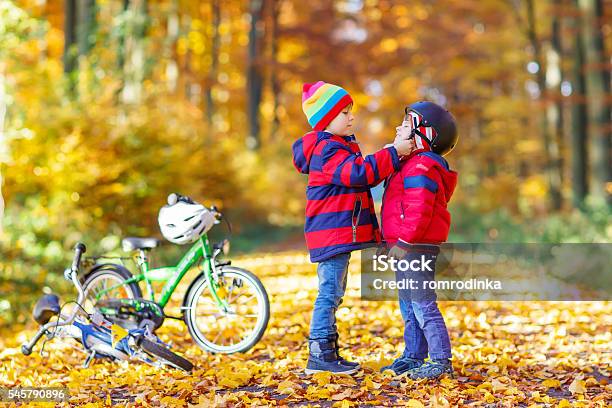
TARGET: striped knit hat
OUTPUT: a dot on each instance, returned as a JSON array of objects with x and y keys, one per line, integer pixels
[{"x": 322, "y": 102}]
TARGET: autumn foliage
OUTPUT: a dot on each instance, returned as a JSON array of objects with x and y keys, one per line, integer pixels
[{"x": 504, "y": 353}]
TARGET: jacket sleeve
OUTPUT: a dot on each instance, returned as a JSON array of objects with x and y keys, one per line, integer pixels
[
  {"x": 349, "y": 169},
  {"x": 421, "y": 183}
]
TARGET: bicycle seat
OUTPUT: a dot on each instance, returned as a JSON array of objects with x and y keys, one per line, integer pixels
[
  {"x": 133, "y": 243},
  {"x": 46, "y": 307}
]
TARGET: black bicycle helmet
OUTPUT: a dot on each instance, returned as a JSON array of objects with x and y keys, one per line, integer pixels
[{"x": 430, "y": 115}]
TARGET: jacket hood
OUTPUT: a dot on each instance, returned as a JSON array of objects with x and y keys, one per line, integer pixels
[
  {"x": 303, "y": 149},
  {"x": 449, "y": 177}
]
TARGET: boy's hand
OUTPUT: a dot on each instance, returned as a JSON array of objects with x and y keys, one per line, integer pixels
[
  {"x": 397, "y": 253},
  {"x": 404, "y": 146}
]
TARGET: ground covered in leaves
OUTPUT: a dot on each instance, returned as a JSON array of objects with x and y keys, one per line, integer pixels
[{"x": 523, "y": 354}]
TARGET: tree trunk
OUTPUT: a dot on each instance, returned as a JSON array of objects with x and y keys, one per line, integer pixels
[
  {"x": 70, "y": 38},
  {"x": 580, "y": 186},
  {"x": 554, "y": 77},
  {"x": 122, "y": 35},
  {"x": 276, "y": 85},
  {"x": 136, "y": 26},
  {"x": 172, "y": 33},
  {"x": 3, "y": 141},
  {"x": 86, "y": 12},
  {"x": 254, "y": 76},
  {"x": 214, "y": 54},
  {"x": 598, "y": 88},
  {"x": 550, "y": 148}
]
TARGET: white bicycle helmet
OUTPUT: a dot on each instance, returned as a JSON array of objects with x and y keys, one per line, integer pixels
[{"x": 183, "y": 221}]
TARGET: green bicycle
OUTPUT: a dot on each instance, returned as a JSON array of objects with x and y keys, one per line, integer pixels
[{"x": 225, "y": 308}]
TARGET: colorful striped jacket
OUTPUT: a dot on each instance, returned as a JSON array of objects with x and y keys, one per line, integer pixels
[
  {"x": 340, "y": 213},
  {"x": 415, "y": 199}
]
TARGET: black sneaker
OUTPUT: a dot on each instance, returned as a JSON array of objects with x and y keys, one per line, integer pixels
[
  {"x": 433, "y": 369},
  {"x": 402, "y": 365},
  {"x": 323, "y": 356},
  {"x": 344, "y": 361}
]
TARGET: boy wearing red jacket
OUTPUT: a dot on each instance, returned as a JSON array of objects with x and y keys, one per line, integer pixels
[
  {"x": 340, "y": 214},
  {"x": 415, "y": 221}
]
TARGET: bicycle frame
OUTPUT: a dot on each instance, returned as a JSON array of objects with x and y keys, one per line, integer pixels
[{"x": 172, "y": 275}]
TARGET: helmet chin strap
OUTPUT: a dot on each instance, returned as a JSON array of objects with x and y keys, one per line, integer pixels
[
  {"x": 419, "y": 138},
  {"x": 418, "y": 124}
]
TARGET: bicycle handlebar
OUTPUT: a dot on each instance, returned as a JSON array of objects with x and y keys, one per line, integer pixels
[
  {"x": 79, "y": 250},
  {"x": 71, "y": 275},
  {"x": 174, "y": 198}
]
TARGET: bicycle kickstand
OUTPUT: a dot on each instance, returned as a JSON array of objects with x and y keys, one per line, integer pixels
[{"x": 90, "y": 356}]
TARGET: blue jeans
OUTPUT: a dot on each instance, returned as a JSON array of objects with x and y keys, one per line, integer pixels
[
  {"x": 424, "y": 328},
  {"x": 332, "y": 274}
]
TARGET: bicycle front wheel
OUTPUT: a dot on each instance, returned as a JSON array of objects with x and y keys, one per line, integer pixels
[{"x": 236, "y": 329}]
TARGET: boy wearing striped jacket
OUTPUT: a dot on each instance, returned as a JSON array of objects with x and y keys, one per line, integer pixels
[
  {"x": 415, "y": 222},
  {"x": 340, "y": 215}
]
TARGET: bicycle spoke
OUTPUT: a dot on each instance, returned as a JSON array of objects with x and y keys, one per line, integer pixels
[
  {"x": 96, "y": 293},
  {"x": 221, "y": 328},
  {"x": 248, "y": 299},
  {"x": 230, "y": 294},
  {"x": 210, "y": 302},
  {"x": 217, "y": 338}
]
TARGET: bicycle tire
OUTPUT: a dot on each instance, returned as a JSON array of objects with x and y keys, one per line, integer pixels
[
  {"x": 198, "y": 336},
  {"x": 118, "y": 272},
  {"x": 165, "y": 355}
]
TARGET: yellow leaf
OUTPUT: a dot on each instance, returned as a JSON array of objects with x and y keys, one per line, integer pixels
[
  {"x": 322, "y": 378},
  {"x": 228, "y": 382},
  {"x": 577, "y": 387},
  {"x": 485, "y": 385},
  {"x": 117, "y": 333},
  {"x": 497, "y": 385},
  {"x": 342, "y": 395},
  {"x": 564, "y": 404},
  {"x": 344, "y": 404},
  {"x": 269, "y": 381},
  {"x": 286, "y": 387},
  {"x": 314, "y": 393},
  {"x": 488, "y": 397},
  {"x": 550, "y": 383},
  {"x": 415, "y": 404},
  {"x": 371, "y": 385}
]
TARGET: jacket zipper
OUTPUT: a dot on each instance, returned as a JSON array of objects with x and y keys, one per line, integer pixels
[{"x": 355, "y": 220}]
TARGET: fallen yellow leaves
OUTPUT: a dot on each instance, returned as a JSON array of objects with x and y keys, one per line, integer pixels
[
  {"x": 505, "y": 354},
  {"x": 551, "y": 383},
  {"x": 577, "y": 387},
  {"x": 287, "y": 387}
]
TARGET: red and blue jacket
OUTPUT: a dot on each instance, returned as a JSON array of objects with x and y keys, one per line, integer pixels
[
  {"x": 340, "y": 213},
  {"x": 415, "y": 200}
]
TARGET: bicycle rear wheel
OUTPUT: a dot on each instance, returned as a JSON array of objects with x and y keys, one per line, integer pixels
[
  {"x": 166, "y": 356},
  {"x": 99, "y": 280}
]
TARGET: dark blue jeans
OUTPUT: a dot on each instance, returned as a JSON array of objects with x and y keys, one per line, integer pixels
[
  {"x": 332, "y": 273},
  {"x": 424, "y": 328}
]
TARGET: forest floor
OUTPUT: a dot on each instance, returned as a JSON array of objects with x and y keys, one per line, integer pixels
[{"x": 524, "y": 354}]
